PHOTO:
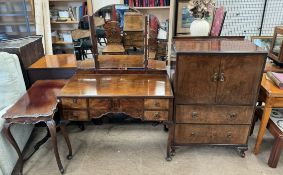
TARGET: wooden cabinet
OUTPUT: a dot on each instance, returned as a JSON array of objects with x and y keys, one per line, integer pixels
[{"x": 216, "y": 86}]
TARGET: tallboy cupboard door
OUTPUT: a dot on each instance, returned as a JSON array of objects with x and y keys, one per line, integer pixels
[
  {"x": 239, "y": 82},
  {"x": 195, "y": 79}
]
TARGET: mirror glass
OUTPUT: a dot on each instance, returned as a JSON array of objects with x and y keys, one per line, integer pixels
[{"x": 127, "y": 38}]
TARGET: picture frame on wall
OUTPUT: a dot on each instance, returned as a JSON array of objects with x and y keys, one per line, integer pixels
[{"x": 184, "y": 18}]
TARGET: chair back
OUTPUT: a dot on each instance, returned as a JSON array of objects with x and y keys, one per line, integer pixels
[{"x": 112, "y": 32}]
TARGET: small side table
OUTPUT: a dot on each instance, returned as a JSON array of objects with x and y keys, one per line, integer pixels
[
  {"x": 38, "y": 104},
  {"x": 272, "y": 96}
]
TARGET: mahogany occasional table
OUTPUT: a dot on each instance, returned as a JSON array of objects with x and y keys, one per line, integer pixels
[{"x": 38, "y": 104}]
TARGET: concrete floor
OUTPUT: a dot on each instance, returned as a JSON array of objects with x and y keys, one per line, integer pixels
[{"x": 130, "y": 149}]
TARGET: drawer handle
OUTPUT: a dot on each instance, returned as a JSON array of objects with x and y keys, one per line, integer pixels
[
  {"x": 193, "y": 134},
  {"x": 233, "y": 115},
  {"x": 156, "y": 115},
  {"x": 75, "y": 100},
  {"x": 194, "y": 114},
  {"x": 157, "y": 104},
  {"x": 229, "y": 135}
]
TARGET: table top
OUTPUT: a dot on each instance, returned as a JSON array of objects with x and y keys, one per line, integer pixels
[
  {"x": 55, "y": 61},
  {"x": 270, "y": 88},
  {"x": 39, "y": 101},
  {"x": 118, "y": 85},
  {"x": 216, "y": 46}
]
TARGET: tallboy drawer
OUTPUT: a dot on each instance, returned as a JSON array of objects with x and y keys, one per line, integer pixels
[
  {"x": 75, "y": 115},
  {"x": 214, "y": 114},
  {"x": 212, "y": 134},
  {"x": 156, "y": 104},
  {"x": 155, "y": 115},
  {"x": 74, "y": 103}
]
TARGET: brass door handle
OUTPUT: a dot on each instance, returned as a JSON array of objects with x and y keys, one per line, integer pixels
[
  {"x": 215, "y": 77},
  {"x": 222, "y": 77}
]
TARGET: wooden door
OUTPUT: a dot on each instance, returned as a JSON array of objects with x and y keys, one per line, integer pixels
[
  {"x": 195, "y": 83},
  {"x": 241, "y": 75}
]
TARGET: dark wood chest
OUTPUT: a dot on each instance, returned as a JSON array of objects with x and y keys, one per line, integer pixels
[
  {"x": 28, "y": 49},
  {"x": 216, "y": 86}
]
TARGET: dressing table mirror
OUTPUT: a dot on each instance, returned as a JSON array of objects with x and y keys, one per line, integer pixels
[{"x": 125, "y": 39}]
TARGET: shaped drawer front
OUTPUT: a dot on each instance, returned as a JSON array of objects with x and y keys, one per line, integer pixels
[
  {"x": 156, "y": 104},
  {"x": 74, "y": 103},
  {"x": 133, "y": 107},
  {"x": 75, "y": 115},
  {"x": 100, "y": 104},
  {"x": 212, "y": 134},
  {"x": 214, "y": 114},
  {"x": 155, "y": 115}
]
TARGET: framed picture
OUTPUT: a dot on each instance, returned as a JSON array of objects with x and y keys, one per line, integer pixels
[
  {"x": 184, "y": 18},
  {"x": 266, "y": 41}
]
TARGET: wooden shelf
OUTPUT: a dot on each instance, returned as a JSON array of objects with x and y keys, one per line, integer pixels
[
  {"x": 62, "y": 43},
  {"x": 64, "y": 22},
  {"x": 152, "y": 8},
  {"x": 14, "y": 23}
]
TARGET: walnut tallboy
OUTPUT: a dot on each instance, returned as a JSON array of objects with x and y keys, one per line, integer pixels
[{"x": 216, "y": 85}]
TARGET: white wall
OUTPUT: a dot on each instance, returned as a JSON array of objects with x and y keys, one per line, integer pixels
[{"x": 97, "y": 4}]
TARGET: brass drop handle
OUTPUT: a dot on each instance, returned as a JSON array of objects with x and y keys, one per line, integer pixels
[
  {"x": 232, "y": 115},
  {"x": 75, "y": 115},
  {"x": 193, "y": 134},
  {"x": 157, "y": 104},
  {"x": 194, "y": 114},
  {"x": 156, "y": 115},
  {"x": 215, "y": 77},
  {"x": 229, "y": 135},
  {"x": 75, "y": 100},
  {"x": 222, "y": 77}
]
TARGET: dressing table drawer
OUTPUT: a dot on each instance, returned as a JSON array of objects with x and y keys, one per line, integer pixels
[
  {"x": 75, "y": 115},
  {"x": 100, "y": 104},
  {"x": 74, "y": 103},
  {"x": 155, "y": 115},
  {"x": 156, "y": 104}
]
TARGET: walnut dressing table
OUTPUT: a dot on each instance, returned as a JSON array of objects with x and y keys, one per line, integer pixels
[{"x": 144, "y": 96}]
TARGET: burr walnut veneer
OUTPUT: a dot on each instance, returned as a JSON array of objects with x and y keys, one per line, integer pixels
[
  {"x": 216, "y": 86},
  {"x": 144, "y": 96}
]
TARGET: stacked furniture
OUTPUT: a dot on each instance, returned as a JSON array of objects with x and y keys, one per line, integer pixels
[
  {"x": 28, "y": 49},
  {"x": 216, "y": 86},
  {"x": 12, "y": 87}
]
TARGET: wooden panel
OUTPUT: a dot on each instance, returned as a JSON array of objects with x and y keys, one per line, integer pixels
[
  {"x": 133, "y": 107},
  {"x": 241, "y": 78},
  {"x": 133, "y": 21},
  {"x": 99, "y": 103},
  {"x": 156, "y": 104},
  {"x": 195, "y": 79},
  {"x": 214, "y": 114},
  {"x": 156, "y": 115},
  {"x": 75, "y": 115},
  {"x": 98, "y": 113},
  {"x": 213, "y": 134},
  {"x": 74, "y": 103}
]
